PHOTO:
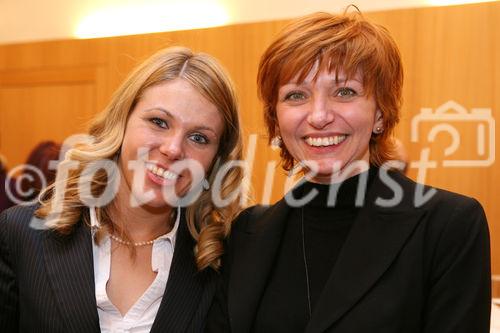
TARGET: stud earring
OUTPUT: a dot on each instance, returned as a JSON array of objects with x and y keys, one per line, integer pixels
[
  {"x": 276, "y": 142},
  {"x": 378, "y": 130}
]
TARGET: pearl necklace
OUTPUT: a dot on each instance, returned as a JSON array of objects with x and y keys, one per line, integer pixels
[
  {"x": 143, "y": 243},
  {"x": 134, "y": 244}
]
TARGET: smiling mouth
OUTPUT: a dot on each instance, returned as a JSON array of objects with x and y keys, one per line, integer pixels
[
  {"x": 325, "y": 141},
  {"x": 160, "y": 172}
]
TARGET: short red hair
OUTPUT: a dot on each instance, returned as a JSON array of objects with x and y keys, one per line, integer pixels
[{"x": 345, "y": 43}]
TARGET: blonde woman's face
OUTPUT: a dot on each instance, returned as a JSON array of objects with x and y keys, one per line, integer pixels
[
  {"x": 327, "y": 123},
  {"x": 171, "y": 127}
]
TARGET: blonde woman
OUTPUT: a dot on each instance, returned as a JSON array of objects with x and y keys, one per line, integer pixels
[{"x": 118, "y": 253}]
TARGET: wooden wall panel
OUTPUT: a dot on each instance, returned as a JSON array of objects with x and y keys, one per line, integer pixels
[
  {"x": 27, "y": 123},
  {"x": 449, "y": 53}
]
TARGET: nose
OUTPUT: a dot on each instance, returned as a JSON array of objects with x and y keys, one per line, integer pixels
[
  {"x": 321, "y": 113},
  {"x": 172, "y": 146}
]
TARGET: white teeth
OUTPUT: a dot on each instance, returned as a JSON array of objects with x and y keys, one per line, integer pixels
[
  {"x": 325, "y": 141},
  {"x": 169, "y": 175},
  {"x": 161, "y": 172}
]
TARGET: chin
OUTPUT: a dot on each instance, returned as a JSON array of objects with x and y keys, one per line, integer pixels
[
  {"x": 159, "y": 205},
  {"x": 325, "y": 167}
]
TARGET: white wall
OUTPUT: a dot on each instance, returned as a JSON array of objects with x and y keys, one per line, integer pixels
[{"x": 30, "y": 20}]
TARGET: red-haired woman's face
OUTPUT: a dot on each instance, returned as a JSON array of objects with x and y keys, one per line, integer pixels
[{"x": 327, "y": 124}]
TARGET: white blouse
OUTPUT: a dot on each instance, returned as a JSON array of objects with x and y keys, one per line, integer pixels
[{"x": 141, "y": 315}]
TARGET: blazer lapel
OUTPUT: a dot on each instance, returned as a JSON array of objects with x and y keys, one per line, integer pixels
[
  {"x": 376, "y": 238},
  {"x": 70, "y": 271},
  {"x": 185, "y": 288},
  {"x": 251, "y": 268}
]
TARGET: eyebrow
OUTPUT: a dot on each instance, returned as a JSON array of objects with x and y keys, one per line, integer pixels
[
  {"x": 159, "y": 109},
  {"x": 168, "y": 114},
  {"x": 340, "y": 80},
  {"x": 344, "y": 79}
]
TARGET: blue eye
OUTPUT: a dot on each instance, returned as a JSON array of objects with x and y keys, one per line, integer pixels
[
  {"x": 199, "y": 138},
  {"x": 159, "y": 122},
  {"x": 345, "y": 92}
]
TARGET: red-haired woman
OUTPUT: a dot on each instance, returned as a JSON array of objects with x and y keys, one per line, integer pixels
[{"x": 354, "y": 247}]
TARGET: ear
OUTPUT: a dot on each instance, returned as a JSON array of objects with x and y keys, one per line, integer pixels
[{"x": 378, "y": 125}]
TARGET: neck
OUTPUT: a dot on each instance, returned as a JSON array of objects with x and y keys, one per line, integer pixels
[{"x": 142, "y": 222}]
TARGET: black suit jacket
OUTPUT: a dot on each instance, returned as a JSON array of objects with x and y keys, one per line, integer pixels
[
  {"x": 47, "y": 281},
  {"x": 402, "y": 269}
]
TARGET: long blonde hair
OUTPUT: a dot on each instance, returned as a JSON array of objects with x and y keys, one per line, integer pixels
[{"x": 208, "y": 224}]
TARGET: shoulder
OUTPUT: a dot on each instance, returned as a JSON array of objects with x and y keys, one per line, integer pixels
[
  {"x": 17, "y": 218},
  {"x": 426, "y": 197},
  {"x": 249, "y": 216},
  {"x": 17, "y": 228},
  {"x": 442, "y": 209}
]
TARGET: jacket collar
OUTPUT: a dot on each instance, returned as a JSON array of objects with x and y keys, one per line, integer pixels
[
  {"x": 70, "y": 272},
  {"x": 251, "y": 267},
  {"x": 69, "y": 262},
  {"x": 186, "y": 288},
  {"x": 375, "y": 239},
  {"x": 377, "y": 236}
]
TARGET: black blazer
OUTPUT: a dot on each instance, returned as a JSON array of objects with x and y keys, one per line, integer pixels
[
  {"x": 402, "y": 269},
  {"x": 47, "y": 281}
]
